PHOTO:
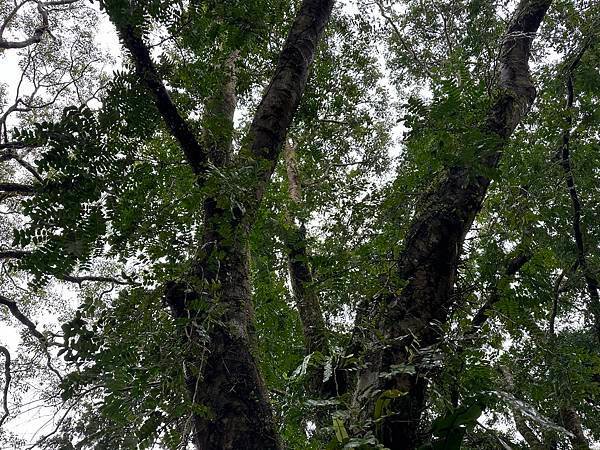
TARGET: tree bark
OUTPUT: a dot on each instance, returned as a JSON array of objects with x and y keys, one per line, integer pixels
[
  {"x": 572, "y": 423},
  {"x": 409, "y": 320},
  {"x": 218, "y": 123}
]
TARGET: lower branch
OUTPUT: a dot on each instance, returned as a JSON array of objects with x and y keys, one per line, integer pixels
[{"x": 7, "y": 379}]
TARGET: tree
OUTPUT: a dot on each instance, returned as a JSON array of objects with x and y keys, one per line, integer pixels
[{"x": 255, "y": 266}]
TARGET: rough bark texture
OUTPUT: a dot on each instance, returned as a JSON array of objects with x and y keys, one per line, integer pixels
[
  {"x": 221, "y": 368},
  {"x": 218, "y": 123},
  {"x": 282, "y": 96},
  {"x": 215, "y": 300},
  {"x": 432, "y": 247},
  {"x": 571, "y": 422}
]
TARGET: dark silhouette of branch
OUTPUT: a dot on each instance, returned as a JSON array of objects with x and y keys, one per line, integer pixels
[
  {"x": 38, "y": 33},
  {"x": 92, "y": 278},
  {"x": 15, "y": 145},
  {"x": 565, "y": 154},
  {"x": 556, "y": 291},
  {"x": 13, "y": 253},
  {"x": 7, "y": 379},
  {"x": 17, "y": 314},
  {"x": 18, "y": 254},
  {"x": 17, "y": 189}
]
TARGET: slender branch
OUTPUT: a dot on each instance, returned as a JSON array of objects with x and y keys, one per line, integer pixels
[
  {"x": 7, "y": 379},
  {"x": 32, "y": 170},
  {"x": 14, "y": 254},
  {"x": 17, "y": 314},
  {"x": 92, "y": 278},
  {"x": 405, "y": 45},
  {"x": 18, "y": 254},
  {"x": 482, "y": 315},
  {"x": 557, "y": 290},
  {"x": 555, "y": 300},
  {"x": 38, "y": 33},
  {"x": 301, "y": 277},
  {"x": 565, "y": 153},
  {"x": 60, "y": 2},
  {"x": 17, "y": 189}
]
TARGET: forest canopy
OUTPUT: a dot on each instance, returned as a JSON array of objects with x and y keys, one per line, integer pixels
[{"x": 299, "y": 224}]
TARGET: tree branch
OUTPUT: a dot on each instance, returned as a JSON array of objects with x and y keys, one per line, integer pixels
[
  {"x": 532, "y": 440},
  {"x": 405, "y": 45},
  {"x": 482, "y": 315},
  {"x": 13, "y": 254},
  {"x": 281, "y": 99},
  {"x": 17, "y": 189},
  {"x": 195, "y": 154},
  {"x": 431, "y": 249},
  {"x": 38, "y": 33},
  {"x": 17, "y": 314},
  {"x": 92, "y": 278},
  {"x": 7, "y": 379},
  {"x": 218, "y": 126},
  {"x": 565, "y": 153}
]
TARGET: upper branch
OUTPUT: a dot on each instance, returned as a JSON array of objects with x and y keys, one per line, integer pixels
[
  {"x": 195, "y": 154},
  {"x": 512, "y": 268},
  {"x": 282, "y": 97},
  {"x": 516, "y": 91},
  {"x": 38, "y": 33},
  {"x": 17, "y": 189},
  {"x": 576, "y": 206},
  {"x": 17, "y": 314}
]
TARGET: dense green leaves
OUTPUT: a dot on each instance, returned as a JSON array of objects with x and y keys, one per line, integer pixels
[{"x": 397, "y": 95}]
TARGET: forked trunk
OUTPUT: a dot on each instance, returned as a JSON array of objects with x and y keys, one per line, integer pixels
[{"x": 409, "y": 321}]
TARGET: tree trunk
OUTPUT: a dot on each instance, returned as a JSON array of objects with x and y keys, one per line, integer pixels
[
  {"x": 409, "y": 321},
  {"x": 222, "y": 373},
  {"x": 232, "y": 410},
  {"x": 213, "y": 303}
]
